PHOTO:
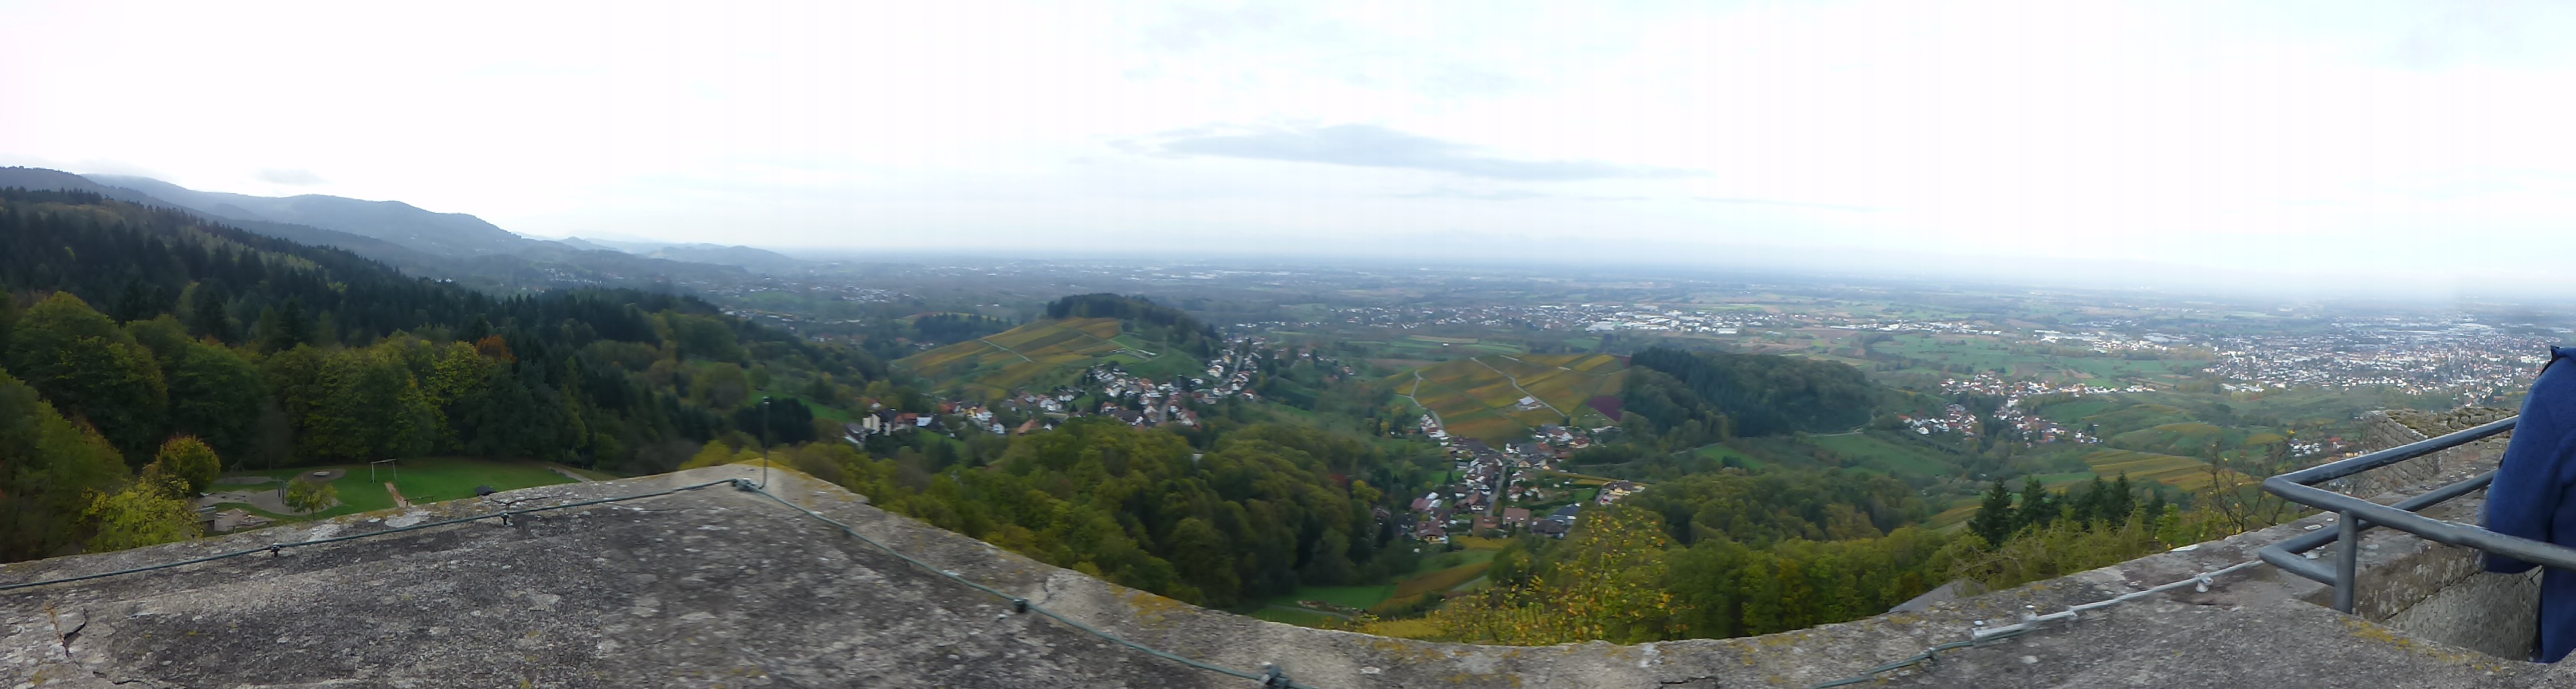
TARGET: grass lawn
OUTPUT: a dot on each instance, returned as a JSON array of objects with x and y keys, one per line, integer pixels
[{"x": 424, "y": 480}]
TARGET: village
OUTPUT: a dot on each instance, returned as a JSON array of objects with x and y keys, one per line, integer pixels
[
  {"x": 1101, "y": 390},
  {"x": 1500, "y": 491}
]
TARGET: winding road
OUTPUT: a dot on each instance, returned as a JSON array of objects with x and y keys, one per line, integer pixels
[{"x": 1426, "y": 409}]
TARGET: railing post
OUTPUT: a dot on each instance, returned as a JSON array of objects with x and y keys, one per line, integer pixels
[{"x": 2347, "y": 559}]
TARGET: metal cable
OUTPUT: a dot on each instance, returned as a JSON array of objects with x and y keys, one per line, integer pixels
[{"x": 2030, "y": 623}]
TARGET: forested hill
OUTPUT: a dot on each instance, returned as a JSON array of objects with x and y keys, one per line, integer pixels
[
  {"x": 1079, "y": 332},
  {"x": 1157, "y": 322},
  {"x": 1708, "y": 396},
  {"x": 131, "y": 331}
]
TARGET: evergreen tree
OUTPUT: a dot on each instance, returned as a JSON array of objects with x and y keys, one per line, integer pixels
[
  {"x": 286, "y": 327},
  {"x": 208, "y": 315},
  {"x": 1994, "y": 520},
  {"x": 2037, "y": 509},
  {"x": 2124, "y": 499}
]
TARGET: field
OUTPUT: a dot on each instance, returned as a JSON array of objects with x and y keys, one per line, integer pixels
[
  {"x": 1990, "y": 354},
  {"x": 2180, "y": 472},
  {"x": 1042, "y": 354},
  {"x": 1479, "y": 397},
  {"x": 1896, "y": 456},
  {"x": 424, "y": 480},
  {"x": 1442, "y": 580}
]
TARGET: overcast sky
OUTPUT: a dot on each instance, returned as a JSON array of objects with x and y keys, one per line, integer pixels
[{"x": 2279, "y": 142}]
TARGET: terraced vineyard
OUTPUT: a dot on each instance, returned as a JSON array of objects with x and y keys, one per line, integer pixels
[
  {"x": 2180, "y": 472},
  {"x": 1042, "y": 354},
  {"x": 1480, "y": 397}
]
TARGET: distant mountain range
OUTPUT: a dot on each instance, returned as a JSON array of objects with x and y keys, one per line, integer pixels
[{"x": 450, "y": 244}]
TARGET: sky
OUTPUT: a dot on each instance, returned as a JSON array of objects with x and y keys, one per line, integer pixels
[{"x": 2301, "y": 146}]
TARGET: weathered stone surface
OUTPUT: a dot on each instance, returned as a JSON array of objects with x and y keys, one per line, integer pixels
[{"x": 718, "y": 587}]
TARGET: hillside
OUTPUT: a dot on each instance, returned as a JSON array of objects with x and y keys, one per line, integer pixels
[
  {"x": 1480, "y": 397},
  {"x": 1043, "y": 355},
  {"x": 447, "y": 245},
  {"x": 756, "y": 259},
  {"x": 135, "y": 334},
  {"x": 392, "y": 221}
]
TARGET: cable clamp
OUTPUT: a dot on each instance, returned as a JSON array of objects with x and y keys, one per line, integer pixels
[
  {"x": 1273, "y": 678},
  {"x": 1020, "y": 605},
  {"x": 275, "y": 550},
  {"x": 2201, "y": 583},
  {"x": 745, "y": 485}
]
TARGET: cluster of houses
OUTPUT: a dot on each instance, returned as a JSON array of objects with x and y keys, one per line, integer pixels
[
  {"x": 1492, "y": 479},
  {"x": 1954, "y": 419},
  {"x": 1433, "y": 516},
  {"x": 1135, "y": 400},
  {"x": 882, "y": 421}
]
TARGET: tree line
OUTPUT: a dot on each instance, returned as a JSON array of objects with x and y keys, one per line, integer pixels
[
  {"x": 1738, "y": 553},
  {"x": 269, "y": 354},
  {"x": 1153, "y": 321},
  {"x": 1266, "y": 509},
  {"x": 1695, "y": 398}
]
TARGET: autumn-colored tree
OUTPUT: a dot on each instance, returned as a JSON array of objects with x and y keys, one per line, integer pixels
[
  {"x": 494, "y": 348},
  {"x": 138, "y": 516},
  {"x": 190, "y": 462},
  {"x": 1607, "y": 584},
  {"x": 310, "y": 496}
]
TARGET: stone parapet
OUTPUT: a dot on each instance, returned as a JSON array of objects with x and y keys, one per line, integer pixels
[{"x": 719, "y": 587}]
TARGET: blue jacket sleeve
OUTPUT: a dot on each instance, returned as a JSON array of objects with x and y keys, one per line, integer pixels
[{"x": 2525, "y": 498}]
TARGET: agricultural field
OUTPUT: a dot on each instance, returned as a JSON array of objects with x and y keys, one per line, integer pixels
[
  {"x": 2180, "y": 472},
  {"x": 2047, "y": 364},
  {"x": 1895, "y": 456},
  {"x": 1479, "y": 397},
  {"x": 1043, "y": 354}
]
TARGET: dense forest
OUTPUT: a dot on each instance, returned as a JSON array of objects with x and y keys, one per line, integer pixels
[
  {"x": 1736, "y": 553},
  {"x": 1695, "y": 398},
  {"x": 130, "y": 327},
  {"x": 1154, "y": 322},
  {"x": 1262, "y": 512}
]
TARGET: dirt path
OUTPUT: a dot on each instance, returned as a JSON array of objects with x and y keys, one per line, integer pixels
[
  {"x": 567, "y": 473},
  {"x": 1516, "y": 384},
  {"x": 1426, "y": 409},
  {"x": 1014, "y": 352}
]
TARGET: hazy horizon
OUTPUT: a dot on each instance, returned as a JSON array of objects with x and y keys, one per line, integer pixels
[{"x": 2397, "y": 149}]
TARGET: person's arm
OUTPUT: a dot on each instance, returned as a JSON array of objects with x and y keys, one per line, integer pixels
[{"x": 2524, "y": 500}]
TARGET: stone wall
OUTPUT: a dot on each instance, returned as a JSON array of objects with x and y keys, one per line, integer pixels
[{"x": 724, "y": 588}]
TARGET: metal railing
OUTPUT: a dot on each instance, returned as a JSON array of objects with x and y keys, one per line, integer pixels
[{"x": 2355, "y": 515}]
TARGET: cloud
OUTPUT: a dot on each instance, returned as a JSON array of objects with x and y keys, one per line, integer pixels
[
  {"x": 298, "y": 177},
  {"x": 1794, "y": 204},
  {"x": 1475, "y": 195},
  {"x": 1364, "y": 145}
]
